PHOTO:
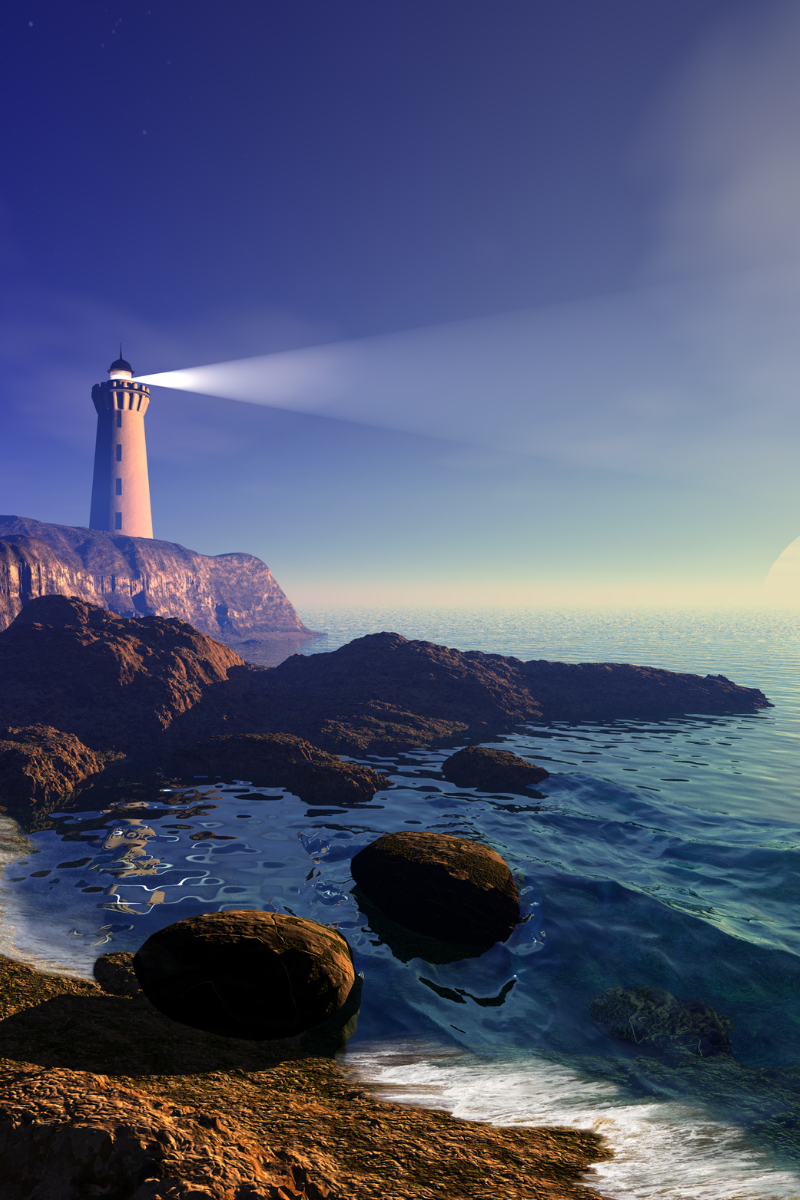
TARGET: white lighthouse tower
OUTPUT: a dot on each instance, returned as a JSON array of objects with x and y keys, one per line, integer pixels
[{"x": 121, "y": 488}]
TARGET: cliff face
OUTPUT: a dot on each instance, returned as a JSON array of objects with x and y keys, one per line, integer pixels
[{"x": 232, "y": 597}]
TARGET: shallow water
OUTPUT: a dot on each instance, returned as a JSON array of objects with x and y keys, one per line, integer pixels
[{"x": 662, "y": 853}]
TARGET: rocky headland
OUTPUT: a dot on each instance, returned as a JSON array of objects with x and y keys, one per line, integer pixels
[{"x": 232, "y": 597}]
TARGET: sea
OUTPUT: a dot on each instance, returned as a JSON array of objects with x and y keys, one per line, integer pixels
[{"x": 662, "y": 853}]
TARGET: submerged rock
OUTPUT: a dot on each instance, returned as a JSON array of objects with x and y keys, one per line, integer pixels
[
  {"x": 246, "y": 974},
  {"x": 653, "y": 1018},
  {"x": 280, "y": 760},
  {"x": 443, "y": 886},
  {"x": 491, "y": 770},
  {"x": 407, "y": 944}
]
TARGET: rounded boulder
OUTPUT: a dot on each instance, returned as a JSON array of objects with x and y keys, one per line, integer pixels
[
  {"x": 440, "y": 885},
  {"x": 253, "y": 975},
  {"x": 491, "y": 770}
]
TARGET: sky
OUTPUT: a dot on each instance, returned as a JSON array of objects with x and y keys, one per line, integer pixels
[{"x": 505, "y": 296}]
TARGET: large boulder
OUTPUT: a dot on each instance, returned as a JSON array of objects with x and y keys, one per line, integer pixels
[
  {"x": 491, "y": 770},
  {"x": 40, "y": 765},
  {"x": 653, "y": 1018},
  {"x": 443, "y": 886},
  {"x": 280, "y": 760},
  {"x": 246, "y": 974}
]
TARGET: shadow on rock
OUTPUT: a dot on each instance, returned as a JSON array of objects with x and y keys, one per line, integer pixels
[
  {"x": 120, "y": 1035},
  {"x": 331, "y": 1037}
]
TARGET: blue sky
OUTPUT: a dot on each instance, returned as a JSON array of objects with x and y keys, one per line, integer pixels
[{"x": 552, "y": 250}]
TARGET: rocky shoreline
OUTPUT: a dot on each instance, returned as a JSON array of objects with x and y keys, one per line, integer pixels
[
  {"x": 93, "y": 706},
  {"x": 103, "y": 1089},
  {"x": 82, "y": 690}
]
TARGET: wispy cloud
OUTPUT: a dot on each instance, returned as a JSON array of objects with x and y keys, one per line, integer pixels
[{"x": 723, "y": 149}]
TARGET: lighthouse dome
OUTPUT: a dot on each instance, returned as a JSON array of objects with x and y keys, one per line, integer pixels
[{"x": 120, "y": 369}]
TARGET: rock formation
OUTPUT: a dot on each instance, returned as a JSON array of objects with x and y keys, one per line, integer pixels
[
  {"x": 115, "y": 684},
  {"x": 232, "y": 597},
  {"x": 254, "y": 975},
  {"x": 39, "y": 765},
  {"x": 76, "y": 1058},
  {"x": 491, "y": 770},
  {"x": 280, "y": 760},
  {"x": 442, "y": 886},
  {"x": 156, "y": 685},
  {"x": 383, "y": 690}
]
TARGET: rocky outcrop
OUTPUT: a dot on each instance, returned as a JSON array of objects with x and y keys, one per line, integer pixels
[
  {"x": 280, "y": 760},
  {"x": 441, "y": 886},
  {"x": 113, "y": 683},
  {"x": 156, "y": 685},
  {"x": 491, "y": 770},
  {"x": 39, "y": 765},
  {"x": 254, "y": 975},
  {"x": 609, "y": 691},
  {"x": 383, "y": 690},
  {"x": 232, "y": 597},
  {"x": 654, "y": 1019},
  {"x": 65, "y": 1135}
]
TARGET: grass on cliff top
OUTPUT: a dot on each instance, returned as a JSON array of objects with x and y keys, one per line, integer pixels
[{"x": 291, "y": 1100}]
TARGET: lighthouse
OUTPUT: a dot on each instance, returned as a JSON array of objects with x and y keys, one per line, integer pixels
[{"x": 121, "y": 488}]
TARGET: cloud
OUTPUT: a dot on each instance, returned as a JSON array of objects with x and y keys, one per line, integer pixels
[
  {"x": 692, "y": 377},
  {"x": 724, "y": 152}
]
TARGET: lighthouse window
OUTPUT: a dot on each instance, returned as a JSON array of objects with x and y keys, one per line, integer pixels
[
  {"x": 119, "y": 453},
  {"x": 119, "y": 420},
  {"x": 118, "y": 520},
  {"x": 119, "y": 487}
]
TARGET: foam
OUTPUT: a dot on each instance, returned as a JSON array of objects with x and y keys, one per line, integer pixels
[{"x": 662, "y": 1150}]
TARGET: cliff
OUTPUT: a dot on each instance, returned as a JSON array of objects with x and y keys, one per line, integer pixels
[{"x": 232, "y": 597}]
